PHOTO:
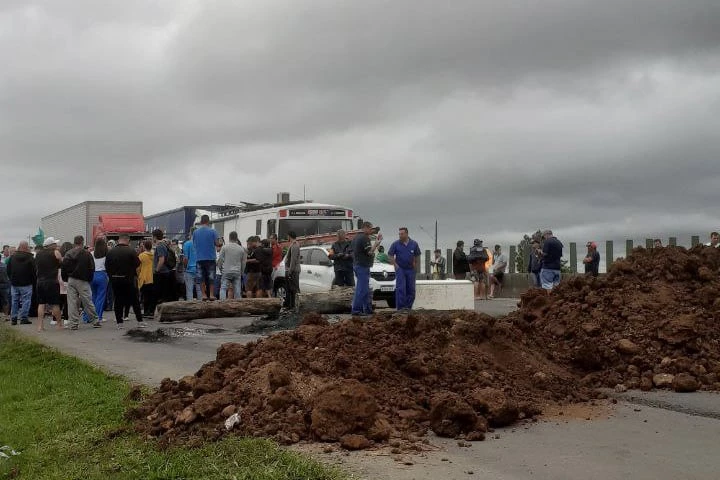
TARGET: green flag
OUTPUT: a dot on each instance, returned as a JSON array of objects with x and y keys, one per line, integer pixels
[{"x": 39, "y": 238}]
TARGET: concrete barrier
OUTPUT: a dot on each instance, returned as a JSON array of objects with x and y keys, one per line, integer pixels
[{"x": 444, "y": 295}]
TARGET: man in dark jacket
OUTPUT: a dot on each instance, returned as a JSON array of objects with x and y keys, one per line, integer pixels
[
  {"x": 21, "y": 272},
  {"x": 552, "y": 261},
  {"x": 78, "y": 267},
  {"x": 460, "y": 263},
  {"x": 342, "y": 258},
  {"x": 121, "y": 264},
  {"x": 47, "y": 264}
]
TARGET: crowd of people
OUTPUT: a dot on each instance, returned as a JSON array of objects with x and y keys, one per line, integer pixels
[{"x": 76, "y": 283}]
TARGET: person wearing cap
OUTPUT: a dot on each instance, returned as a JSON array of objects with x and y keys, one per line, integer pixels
[
  {"x": 363, "y": 258},
  {"x": 404, "y": 255},
  {"x": 592, "y": 260},
  {"x": 478, "y": 259},
  {"x": 460, "y": 262},
  {"x": 47, "y": 266},
  {"x": 552, "y": 255}
]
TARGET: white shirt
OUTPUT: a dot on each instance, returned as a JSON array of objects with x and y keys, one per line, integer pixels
[{"x": 99, "y": 264}]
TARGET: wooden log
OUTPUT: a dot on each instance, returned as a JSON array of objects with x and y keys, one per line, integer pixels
[
  {"x": 187, "y": 311},
  {"x": 337, "y": 300}
]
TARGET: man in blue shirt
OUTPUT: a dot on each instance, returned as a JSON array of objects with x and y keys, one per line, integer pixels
[
  {"x": 190, "y": 262},
  {"x": 404, "y": 254},
  {"x": 363, "y": 253},
  {"x": 551, "y": 261},
  {"x": 204, "y": 240}
]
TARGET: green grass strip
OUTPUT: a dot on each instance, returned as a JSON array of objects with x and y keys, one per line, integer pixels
[{"x": 58, "y": 411}]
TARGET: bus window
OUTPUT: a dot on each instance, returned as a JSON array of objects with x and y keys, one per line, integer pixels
[
  {"x": 312, "y": 226},
  {"x": 271, "y": 227},
  {"x": 258, "y": 227}
]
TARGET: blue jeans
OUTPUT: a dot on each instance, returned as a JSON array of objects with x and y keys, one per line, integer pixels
[
  {"x": 21, "y": 299},
  {"x": 404, "y": 288},
  {"x": 216, "y": 286},
  {"x": 362, "y": 298},
  {"x": 549, "y": 278},
  {"x": 234, "y": 279},
  {"x": 99, "y": 286},
  {"x": 191, "y": 281}
]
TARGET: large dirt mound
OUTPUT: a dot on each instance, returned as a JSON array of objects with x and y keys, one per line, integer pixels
[
  {"x": 359, "y": 382},
  {"x": 653, "y": 321}
]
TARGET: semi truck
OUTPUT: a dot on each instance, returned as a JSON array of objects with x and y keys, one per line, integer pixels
[{"x": 94, "y": 218}]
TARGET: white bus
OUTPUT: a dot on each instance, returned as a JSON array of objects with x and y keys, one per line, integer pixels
[{"x": 304, "y": 219}]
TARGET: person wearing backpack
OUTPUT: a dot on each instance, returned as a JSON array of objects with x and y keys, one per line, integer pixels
[
  {"x": 164, "y": 262},
  {"x": 477, "y": 259}
]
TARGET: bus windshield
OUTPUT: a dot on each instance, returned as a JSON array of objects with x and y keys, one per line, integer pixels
[{"x": 312, "y": 226}]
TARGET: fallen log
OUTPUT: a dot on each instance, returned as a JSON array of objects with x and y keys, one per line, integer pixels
[
  {"x": 187, "y": 311},
  {"x": 337, "y": 300}
]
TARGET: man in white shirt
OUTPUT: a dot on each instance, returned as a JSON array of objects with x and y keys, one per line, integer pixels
[{"x": 500, "y": 263}]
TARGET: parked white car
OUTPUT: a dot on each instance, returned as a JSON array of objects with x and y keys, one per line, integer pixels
[{"x": 318, "y": 273}]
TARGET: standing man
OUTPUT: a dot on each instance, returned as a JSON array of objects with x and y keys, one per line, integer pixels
[
  {"x": 500, "y": 263},
  {"x": 5, "y": 253},
  {"x": 363, "y": 256},
  {"x": 535, "y": 264},
  {"x": 657, "y": 243},
  {"x": 47, "y": 266},
  {"x": 478, "y": 259},
  {"x": 163, "y": 276},
  {"x": 204, "y": 240},
  {"x": 341, "y": 255},
  {"x": 404, "y": 254},
  {"x": 189, "y": 258},
  {"x": 21, "y": 272},
  {"x": 592, "y": 260},
  {"x": 551, "y": 256},
  {"x": 78, "y": 267},
  {"x": 438, "y": 264},
  {"x": 121, "y": 265},
  {"x": 460, "y": 262},
  {"x": 277, "y": 252},
  {"x": 714, "y": 240},
  {"x": 292, "y": 271},
  {"x": 4, "y": 289},
  {"x": 232, "y": 262},
  {"x": 252, "y": 267}
]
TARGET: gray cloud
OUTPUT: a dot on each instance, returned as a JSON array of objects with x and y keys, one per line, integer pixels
[{"x": 595, "y": 118}]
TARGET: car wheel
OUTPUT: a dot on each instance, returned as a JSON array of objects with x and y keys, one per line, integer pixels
[{"x": 391, "y": 302}]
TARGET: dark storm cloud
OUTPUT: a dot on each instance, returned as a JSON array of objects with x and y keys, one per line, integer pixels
[{"x": 495, "y": 117}]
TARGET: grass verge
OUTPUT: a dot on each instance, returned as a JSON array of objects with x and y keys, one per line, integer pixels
[{"x": 63, "y": 415}]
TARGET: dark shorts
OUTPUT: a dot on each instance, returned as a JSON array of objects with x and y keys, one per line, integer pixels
[
  {"x": 48, "y": 293},
  {"x": 206, "y": 271},
  {"x": 265, "y": 282},
  {"x": 499, "y": 276},
  {"x": 478, "y": 276},
  {"x": 252, "y": 281}
]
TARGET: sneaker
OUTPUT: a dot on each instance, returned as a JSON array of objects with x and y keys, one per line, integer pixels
[
  {"x": 53, "y": 322},
  {"x": 13, "y": 321},
  {"x": 25, "y": 321},
  {"x": 120, "y": 326},
  {"x": 96, "y": 324},
  {"x": 74, "y": 326},
  {"x": 143, "y": 325}
]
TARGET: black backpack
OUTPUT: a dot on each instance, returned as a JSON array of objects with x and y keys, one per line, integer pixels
[
  {"x": 171, "y": 260},
  {"x": 478, "y": 254}
]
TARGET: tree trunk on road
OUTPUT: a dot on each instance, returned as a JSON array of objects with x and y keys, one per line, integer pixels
[
  {"x": 186, "y": 311},
  {"x": 337, "y": 300}
]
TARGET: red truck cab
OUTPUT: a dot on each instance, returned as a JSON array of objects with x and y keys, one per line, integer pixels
[{"x": 112, "y": 225}]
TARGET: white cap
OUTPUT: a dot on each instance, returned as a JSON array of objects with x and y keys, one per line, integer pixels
[{"x": 49, "y": 241}]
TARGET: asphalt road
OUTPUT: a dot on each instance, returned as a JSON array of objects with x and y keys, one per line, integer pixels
[{"x": 654, "y": 435}]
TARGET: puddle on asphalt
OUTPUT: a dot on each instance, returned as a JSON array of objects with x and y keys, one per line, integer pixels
[{"x": 168, "y": 334}]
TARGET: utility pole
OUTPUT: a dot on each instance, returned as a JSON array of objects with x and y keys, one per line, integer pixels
[{"x": 436, "y": 235}]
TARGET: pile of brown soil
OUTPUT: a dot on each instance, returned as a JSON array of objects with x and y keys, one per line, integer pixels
[
  {"x": 364, "y": 382},
  {"x": 653, "y": 321}
]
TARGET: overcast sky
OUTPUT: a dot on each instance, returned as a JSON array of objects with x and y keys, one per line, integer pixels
[{"x": 596, "y": 119}]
